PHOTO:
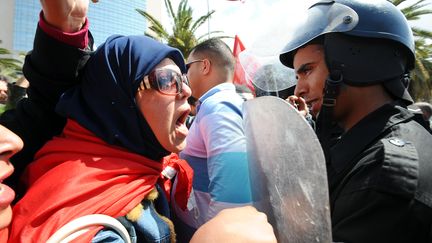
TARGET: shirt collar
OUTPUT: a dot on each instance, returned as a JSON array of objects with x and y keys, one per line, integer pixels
[{"x": 214, "y": 90}]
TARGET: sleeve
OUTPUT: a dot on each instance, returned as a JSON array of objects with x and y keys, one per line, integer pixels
[
  {"x": 51, "y": 68},
  {"x": 78, "y": 39},
  {"x": 226, "y": 159},
  {"x": 107, "y": 236}
]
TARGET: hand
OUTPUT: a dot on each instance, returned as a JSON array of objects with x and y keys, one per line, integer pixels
[
  {"x": 233, "y": 225},
  {"x": 299, "y": 103},
  {"x": 66, "y": 15}
]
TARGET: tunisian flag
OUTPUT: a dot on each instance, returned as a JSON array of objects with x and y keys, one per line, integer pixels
[{"x": 239, "y": 74}]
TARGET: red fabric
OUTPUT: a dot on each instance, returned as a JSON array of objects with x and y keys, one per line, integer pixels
[
  {"x": 79, "y": 174},
  {"x": 184, "y": 179},
  {"x": 239, "y": 73},
  {"x": 78, "y": 39}
]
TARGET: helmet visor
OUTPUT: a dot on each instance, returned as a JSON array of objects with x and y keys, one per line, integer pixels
[{"x": 322, "y": 17}]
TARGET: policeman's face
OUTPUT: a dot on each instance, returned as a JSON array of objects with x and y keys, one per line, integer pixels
[{"x": 311, "y": 72}]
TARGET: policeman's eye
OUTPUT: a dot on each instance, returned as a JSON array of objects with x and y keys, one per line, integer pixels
[{"x": 307, "y": 70}]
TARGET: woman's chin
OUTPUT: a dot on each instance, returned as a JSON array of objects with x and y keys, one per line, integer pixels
[
  {"x": 5, "y": 217},
  {"x": 176, "y": 146},
  {"x": 180, "y": 146}
]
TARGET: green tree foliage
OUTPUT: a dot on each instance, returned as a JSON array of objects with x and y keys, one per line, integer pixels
[
  {"x": 184, "y": 27},
  {"x": 9, "y": 67},
  {"x": 421, "y": 84}
]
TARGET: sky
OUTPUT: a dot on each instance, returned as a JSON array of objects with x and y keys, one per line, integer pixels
[
  {"x": 249, "y": 19},
  {"x": 258, "y": 21}
]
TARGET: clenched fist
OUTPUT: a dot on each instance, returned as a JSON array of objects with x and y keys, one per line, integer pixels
[
  {"x": 66, "y": 15},
  {"x": 236, "y": 225}
]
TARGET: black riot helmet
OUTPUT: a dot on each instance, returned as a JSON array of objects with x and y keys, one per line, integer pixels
[{"x": 365, "y": 42}]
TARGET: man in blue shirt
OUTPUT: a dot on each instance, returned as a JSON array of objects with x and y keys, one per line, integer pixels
[{"x": 216, "y": 144}]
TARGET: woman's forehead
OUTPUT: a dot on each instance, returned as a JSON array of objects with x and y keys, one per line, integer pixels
[{"x": 167, "y": 63}]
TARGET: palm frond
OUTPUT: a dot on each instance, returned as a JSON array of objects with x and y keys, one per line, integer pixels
[
  {"x": 184, "y": 27},
  {"x": 421, "y": 33},
  {"x": 201, "y": 20},
  {"x": 421, "y": 84},
  {"x": 155, "y": 25},
  {"x": 170, "y": 10}
]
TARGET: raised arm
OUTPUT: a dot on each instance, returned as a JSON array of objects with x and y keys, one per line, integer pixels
[{"x": 52, "y": 67}]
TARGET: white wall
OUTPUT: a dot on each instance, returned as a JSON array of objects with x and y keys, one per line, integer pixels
[
  {"x": 7, "y": 11},
  {"x": 157, "y": 9}
]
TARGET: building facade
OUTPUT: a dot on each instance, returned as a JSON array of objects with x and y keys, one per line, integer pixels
[{"x": 18, "y": 20}]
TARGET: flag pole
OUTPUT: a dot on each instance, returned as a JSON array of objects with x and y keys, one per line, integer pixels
[{"x": 208, "y": 20}]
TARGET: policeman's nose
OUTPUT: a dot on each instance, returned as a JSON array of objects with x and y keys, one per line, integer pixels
[{"x": 300, "y": 90}]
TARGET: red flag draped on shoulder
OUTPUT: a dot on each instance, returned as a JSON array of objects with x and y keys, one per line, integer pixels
[{"x": 239, "y": 74}]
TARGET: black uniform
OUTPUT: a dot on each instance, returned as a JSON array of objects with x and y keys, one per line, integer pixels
[
  {"x": 49, "y": 74},
  {"x": 380, "y": 179}
]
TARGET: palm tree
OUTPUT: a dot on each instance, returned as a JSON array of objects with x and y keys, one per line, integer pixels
[
  {"x": 421, "y": 85},
  {"x": 9, "y": 67},
  {"x": 183, "y": 29}
]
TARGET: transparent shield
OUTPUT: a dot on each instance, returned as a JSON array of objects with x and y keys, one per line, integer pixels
[
  {"x": 267, "y": 73},
  {"x": 288, "y": 173}
]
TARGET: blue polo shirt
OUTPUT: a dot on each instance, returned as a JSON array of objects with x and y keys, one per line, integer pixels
[{"x": 216, "y": 150}]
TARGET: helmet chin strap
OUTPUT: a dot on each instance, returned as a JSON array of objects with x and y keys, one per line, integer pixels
[{"x": 325, "y": 124}]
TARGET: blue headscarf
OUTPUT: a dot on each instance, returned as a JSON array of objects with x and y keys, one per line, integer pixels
[{"x": 104, "y": 102}]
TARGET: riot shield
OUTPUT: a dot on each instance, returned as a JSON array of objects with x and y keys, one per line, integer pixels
[{"x": 287, "y": 168}]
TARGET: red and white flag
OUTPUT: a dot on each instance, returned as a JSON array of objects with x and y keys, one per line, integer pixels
[{"x": 240, "y": 76}]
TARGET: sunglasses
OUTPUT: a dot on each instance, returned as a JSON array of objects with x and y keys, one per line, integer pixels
[
  {"x": 192, "y": 62},
  {"x": 166, "y": 81}
]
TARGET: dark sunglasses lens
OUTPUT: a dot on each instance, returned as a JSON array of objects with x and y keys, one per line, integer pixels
[{"x": 168, "y": 81}]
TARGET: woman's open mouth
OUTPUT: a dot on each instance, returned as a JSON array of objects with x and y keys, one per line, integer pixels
[
  {"x": 181, "y": 123},
  {"x": 7, "y": 195}
]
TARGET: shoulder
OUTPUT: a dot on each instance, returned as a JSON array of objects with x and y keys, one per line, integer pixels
[
  {"x": 400, "y": 166},
  {"x": 398, "y": 161},
  {"x": 222, "y": 102},
  {"x": 406, "y": 157}
]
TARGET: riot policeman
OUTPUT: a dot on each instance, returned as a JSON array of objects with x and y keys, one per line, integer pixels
[{"x": 352, "y": 60}]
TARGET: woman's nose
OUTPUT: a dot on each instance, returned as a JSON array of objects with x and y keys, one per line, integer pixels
[
  {"x": 186, "y": 90},
  {"x": 10, "y": 143}
]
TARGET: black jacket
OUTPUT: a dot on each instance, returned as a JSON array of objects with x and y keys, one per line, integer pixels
[
  {"x": 380, "y": 179},
  {"x": 49, "y": 74}
]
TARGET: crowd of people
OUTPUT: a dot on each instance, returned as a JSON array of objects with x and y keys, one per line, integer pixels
[
  {"x": 109, "y": 131},
  {"x": 11, "y": 92}
]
